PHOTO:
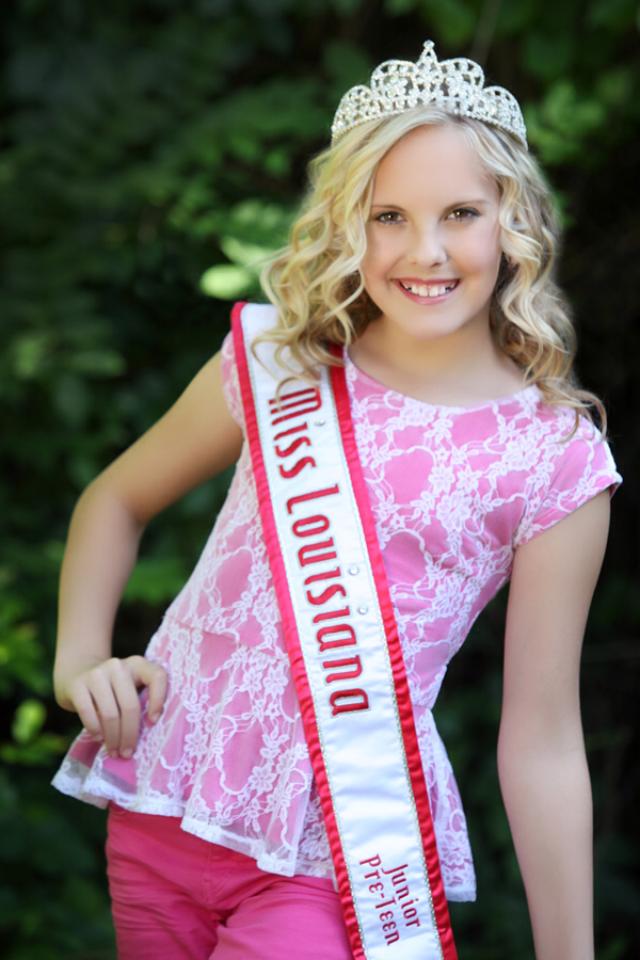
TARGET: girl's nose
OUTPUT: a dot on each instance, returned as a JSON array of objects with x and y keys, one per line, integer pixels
[{"x": 428, "y": 247}]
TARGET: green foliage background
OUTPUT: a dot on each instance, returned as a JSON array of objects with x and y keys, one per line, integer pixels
[{"x": 151, "y": 151}]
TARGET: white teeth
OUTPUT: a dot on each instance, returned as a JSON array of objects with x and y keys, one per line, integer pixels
[{"x": 422, "y": 290}]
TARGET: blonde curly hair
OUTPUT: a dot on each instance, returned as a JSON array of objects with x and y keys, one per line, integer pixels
[{"x": 317, "y": 287}]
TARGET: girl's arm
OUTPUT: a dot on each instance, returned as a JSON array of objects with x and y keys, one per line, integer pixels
[
  {"x": 195, "y": 440},
  {"x": 542, "y": 763}
]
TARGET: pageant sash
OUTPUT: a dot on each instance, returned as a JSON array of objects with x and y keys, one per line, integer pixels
[{"x": 345, "y": 653}]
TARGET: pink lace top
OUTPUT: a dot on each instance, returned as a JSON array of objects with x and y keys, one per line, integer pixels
[{"x": 454, "y": 491}]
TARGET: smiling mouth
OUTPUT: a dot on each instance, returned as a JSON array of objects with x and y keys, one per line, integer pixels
[{"x": 428, "y": 291}]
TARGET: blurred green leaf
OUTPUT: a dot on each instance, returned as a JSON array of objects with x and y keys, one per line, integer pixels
[
  {"x": 103, "y": 363},
  {"x": 226, "y": 282},
  {"x": 30, "y": 353},
  {"x": 28, "y": 720},
  {"x": 564, "y": 120},
  {"x": 244, "y": 254}
]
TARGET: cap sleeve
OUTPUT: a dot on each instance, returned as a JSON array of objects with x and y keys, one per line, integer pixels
[
  {"x": 230, "y": 382},
  {"x": 579, "y": 469}
]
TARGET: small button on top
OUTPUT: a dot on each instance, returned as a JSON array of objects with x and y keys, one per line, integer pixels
[
  {"x": 353, "y": 570},
  {"x": 319, "y": 423},
  {"x": 363, "y": 610}
]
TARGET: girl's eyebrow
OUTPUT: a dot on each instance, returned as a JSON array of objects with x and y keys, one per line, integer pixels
[{"x": 459, "y": 203}]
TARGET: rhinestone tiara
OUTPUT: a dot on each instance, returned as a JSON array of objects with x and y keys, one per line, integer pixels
[{"x": 455, "y": 85}]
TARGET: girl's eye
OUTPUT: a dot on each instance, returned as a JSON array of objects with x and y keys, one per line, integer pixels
[
  {"x": 465, "y": 212},
  {"x": 388, "y": 216}
]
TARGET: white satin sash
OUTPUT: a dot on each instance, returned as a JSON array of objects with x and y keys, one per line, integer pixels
[{"x": 345, "y": 653}]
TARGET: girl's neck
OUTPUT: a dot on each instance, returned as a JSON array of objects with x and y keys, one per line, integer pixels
[{"x": 462, "y": 369}]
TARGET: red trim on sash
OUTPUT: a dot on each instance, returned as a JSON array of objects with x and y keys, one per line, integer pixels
[
  {"x": 291, "y": 636},
  {"x": 405, "y": 709}
]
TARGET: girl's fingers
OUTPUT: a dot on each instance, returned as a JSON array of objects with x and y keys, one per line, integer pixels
[
  {"x": 152, "y": 675},
  {"x": 157, "y": 691},
  {"x": 126, "y": 695},
  {"x": 99, "y": 683},
  {"x": 85, "y": 708},
  {"x": 107, "y": 701}
]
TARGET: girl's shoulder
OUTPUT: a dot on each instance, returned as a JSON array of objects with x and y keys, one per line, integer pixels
[
  {"x": 557, "y": 427},
  {"x": 568, "y": 463}
]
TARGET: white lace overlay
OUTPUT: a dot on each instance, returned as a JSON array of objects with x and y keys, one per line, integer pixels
[{"x": 453, "y": 493}]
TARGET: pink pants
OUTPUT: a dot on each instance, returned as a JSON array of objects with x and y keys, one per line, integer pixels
[{"x": 178, "y": 897}]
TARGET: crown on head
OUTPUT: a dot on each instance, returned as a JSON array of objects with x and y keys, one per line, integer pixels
[{"x": 455, "y": 85}]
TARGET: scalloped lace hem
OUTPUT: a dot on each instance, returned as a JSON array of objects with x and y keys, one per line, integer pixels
[{"x": 69, "y": 780}]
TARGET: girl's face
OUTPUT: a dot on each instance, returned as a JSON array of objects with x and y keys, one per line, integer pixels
[{"x": 433, "y": 222}]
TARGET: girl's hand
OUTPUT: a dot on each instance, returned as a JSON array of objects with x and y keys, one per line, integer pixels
[{"x": 106, "y": 699}]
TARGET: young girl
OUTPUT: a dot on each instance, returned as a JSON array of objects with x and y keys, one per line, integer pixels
[{"x": 416, "y": 308}]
